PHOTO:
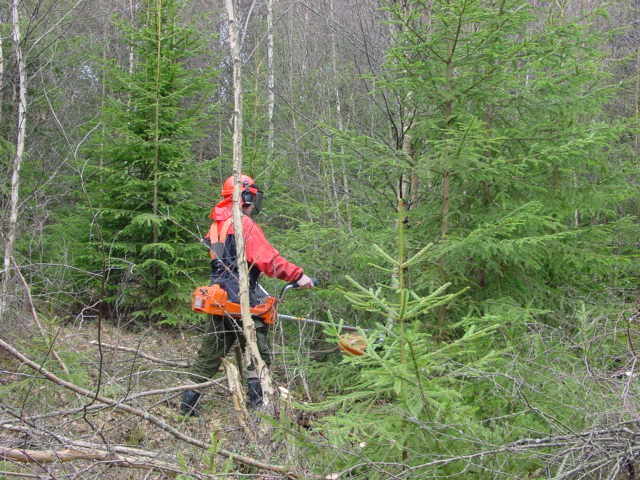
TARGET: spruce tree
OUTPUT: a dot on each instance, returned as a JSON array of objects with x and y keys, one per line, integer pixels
[
  {"x": 519, "y": 172},
  {"x": 514, "y": 149},
  {"x": 520, "y": 181},
  {"x": 143, "y": 176}
]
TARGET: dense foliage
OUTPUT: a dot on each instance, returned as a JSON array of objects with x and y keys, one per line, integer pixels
[
  {"x": 460, "y": 175},
  {"x": 520, "y": 176},
  {"x": 141, "y": 178}
]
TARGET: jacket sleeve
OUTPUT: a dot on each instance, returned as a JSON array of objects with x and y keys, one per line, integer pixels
[{"x": 266, "y": 258}]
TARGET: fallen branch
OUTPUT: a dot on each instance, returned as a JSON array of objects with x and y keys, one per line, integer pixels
[
  {"x": 236, "y": 457},
  {"x": 129, "y": 398},
  {"x": 131, "y": 451},
  {"x": 142, "y": 354},
  {"x": 21, "y": 455},
  {"x": 618, "y": 439},
  {"x": 19, "y": 475},
  {"x": 51, "y": 456}
]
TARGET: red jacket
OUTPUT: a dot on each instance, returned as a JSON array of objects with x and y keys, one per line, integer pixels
[{"x": 259, "y": 252}]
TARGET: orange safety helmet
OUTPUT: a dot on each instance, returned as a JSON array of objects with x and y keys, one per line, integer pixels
[{"x": 249, "y": 191}]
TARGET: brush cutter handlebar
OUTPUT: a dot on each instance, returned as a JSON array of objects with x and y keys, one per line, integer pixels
[{"x": 294, "y": 285}]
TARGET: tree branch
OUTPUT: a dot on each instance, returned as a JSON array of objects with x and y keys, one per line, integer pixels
[
  {"x": 158, "y": 422},
  {"x": 162, "y": 361}
]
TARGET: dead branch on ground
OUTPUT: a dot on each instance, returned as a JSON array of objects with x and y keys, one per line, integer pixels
[
  {"x": 154, "y": 420},
  {"x": 139, "y": 353}
]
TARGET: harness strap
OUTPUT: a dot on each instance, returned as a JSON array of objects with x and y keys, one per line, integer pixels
[{"x": 216, "y": 249}]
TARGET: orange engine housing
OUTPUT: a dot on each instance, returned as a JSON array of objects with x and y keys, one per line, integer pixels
[
  {"x": 215, "y": 301},
  {"x": 352, "y": 343}
]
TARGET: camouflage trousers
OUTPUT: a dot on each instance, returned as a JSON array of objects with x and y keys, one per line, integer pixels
[{"x": 221, "y": 334}]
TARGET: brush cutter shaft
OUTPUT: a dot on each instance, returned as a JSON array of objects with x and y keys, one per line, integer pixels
[{"x": 316, "y": 322}]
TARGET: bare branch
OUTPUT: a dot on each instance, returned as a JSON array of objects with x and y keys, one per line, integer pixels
[
  {"x": 172, "y": 363},
  {"x": 154, "y": 420}
]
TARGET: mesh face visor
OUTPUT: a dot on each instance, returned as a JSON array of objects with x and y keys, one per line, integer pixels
[
  {"x": 257, "y": 200},
  {"x": 251, "y": 195}
]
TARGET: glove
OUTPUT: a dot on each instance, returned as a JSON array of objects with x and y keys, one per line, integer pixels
[{"x": 305, "y": 282}]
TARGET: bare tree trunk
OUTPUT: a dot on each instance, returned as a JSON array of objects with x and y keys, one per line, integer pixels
[
  {"x": 254, "y": 358},
  {"x": 238, "y": 397},
  {"x": 1, "y": 72},
  {"x": 271, "y": 94},
  {"x": 335, "y": 199},
  {"x": 637, "y": 97},
  {"x": 131, "y": 53},
  {"x": 339, "y": 119},
  {"x": 156, "y": 164},
  {"x": 17, "y": 159}
]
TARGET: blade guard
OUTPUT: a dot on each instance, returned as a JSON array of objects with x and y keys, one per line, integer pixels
[
  {"x": 214, "y": 300},
  {"x": 352, "y": 343}
]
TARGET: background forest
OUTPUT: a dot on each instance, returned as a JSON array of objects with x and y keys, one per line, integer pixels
[{"x": 461, "y": 176}]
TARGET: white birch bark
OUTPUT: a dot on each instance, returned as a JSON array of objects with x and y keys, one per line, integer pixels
[
  {"x": 131, "y": 52},
  {"x": 249, "y": 331},
  {"x": 339, "y": 119},
  {"x": 637, "y": 97},
  {"x": 336, "y": 90},
  {"x": 1, "y": 71},
  {"x": 271, "y": 95},
  {"x": 17, "y": 159}
]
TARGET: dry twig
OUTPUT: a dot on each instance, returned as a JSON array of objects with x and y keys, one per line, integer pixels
[
  {"x": 138, "y": 353},
  {"x": 154, "y": 420}
]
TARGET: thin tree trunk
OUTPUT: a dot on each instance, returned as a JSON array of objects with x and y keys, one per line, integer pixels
[
  {"x": 444, "y": 228},
  {"x": 637, "y": 98},
  {"x": 271, "y": 95},
  {"x": 334, "y": 67},
  {"x": 156, "y": 163},
  {"x": 131, "y": 52},
  {"x": 254, "y": 357},
  {"x": 18, "y": 157},
  {"x": 403, "y": 203},
  {"x": 339, "y": 120},
  {"x": 1, "y": 73},
  {"x": 446, "y": 174}
]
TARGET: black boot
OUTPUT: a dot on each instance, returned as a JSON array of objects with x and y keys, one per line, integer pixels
[
  {"x": 254, "y": 393},
  {"x": 189, "y": 403}
]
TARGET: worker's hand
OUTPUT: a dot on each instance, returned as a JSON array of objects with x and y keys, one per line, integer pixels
[{"x": 305, "y": 281}]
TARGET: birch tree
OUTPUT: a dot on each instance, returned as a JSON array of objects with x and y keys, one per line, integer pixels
[
  {"x": 18, "y": 156},
  {"x": 254, "y": 357},
  {"x": 142, "y": 174},
  {"x": 1, "y": 68},
  {"x": 271, "y": 94}
]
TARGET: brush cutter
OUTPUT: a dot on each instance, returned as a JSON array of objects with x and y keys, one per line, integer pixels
[
  {"x": 352, "y": 343},
  {"x": 215, "y": 301}
]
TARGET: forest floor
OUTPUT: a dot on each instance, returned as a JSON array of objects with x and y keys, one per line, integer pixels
[{"x": 126, "y": 362}]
